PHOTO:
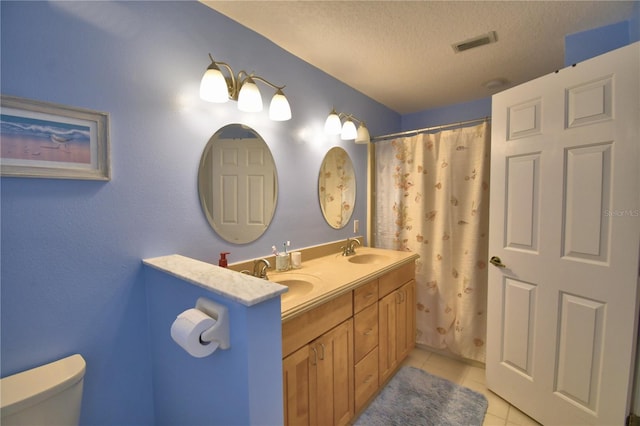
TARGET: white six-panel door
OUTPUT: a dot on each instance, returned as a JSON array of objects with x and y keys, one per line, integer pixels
[{"x": 565, "y": 225}]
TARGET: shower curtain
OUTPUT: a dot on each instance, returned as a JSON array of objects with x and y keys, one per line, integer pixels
[{"x": 432, "y": 198}]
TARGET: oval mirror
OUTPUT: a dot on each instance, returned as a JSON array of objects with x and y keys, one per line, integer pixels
[
  {"x": 238, "y": 184},
  {"x": 337, "y": 187}
]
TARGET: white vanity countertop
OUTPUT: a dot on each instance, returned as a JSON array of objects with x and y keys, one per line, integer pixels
[
  {"x": 333, "y": 275},
  {"x": 241, "y": 288}
]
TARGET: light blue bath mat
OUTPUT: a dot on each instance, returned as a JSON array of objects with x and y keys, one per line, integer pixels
[{"x": 415, "y": 397}]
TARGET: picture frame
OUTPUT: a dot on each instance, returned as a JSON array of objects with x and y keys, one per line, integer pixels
[{"x": 46, "y": 140}]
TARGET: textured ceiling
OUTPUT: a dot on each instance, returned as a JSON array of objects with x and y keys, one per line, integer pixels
[{"x": 399, "y": 52}]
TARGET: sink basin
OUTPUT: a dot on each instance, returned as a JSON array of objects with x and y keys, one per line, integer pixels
[
  {"x": 299, "y": 284},
  {"x": 367, "y": 258}
]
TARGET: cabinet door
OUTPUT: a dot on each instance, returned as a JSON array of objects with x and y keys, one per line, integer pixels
[
  {"x": 406, "y": 325},
  {"x": 297, "y": 399},
  {"x": 387, "y": 342},
  {"x": 397, "y": 328},
  {"x": 331, "y": 378}
]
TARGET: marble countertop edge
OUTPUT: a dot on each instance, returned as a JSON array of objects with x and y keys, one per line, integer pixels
[{"x": 242, "y": 288}]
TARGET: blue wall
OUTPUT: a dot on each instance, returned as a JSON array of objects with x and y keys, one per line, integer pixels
[
  {"x": 71, "y": 275},
  {"x": 634, "y": 23},
  {"x": 238, "y": 386},
  {"x": 588, "y": 44},
  {"x": 447, "y": 114},
  {"x": 72, "y": 279}
]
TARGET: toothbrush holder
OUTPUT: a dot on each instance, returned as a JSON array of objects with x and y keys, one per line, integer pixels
[{"x": 282, "y": 262}]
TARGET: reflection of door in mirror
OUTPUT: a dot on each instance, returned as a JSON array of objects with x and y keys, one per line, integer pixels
[
  {"x": 337, "y": 187},
  {"x": 238, "y": 186}
]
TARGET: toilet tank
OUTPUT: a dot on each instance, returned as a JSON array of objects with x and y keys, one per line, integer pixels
[{"x": 47, "y": 395}]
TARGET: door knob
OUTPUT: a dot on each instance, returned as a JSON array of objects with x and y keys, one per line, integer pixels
[{"x": 495, "y": 261}]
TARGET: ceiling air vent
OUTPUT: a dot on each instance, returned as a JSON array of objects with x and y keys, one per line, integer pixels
[{"x": 475, "y": 42}]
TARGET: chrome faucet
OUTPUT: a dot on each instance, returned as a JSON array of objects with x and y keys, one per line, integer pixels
[
  {"x": 349, "y": 248},
  {"x": 260, "y": 267}
]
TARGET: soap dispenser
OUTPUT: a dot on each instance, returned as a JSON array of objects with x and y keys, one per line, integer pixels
[{"x": 222, "y": 262}]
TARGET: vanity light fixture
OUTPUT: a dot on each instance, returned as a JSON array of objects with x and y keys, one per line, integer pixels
[
  {"x": 347, "y": 131},
  {"x": 215, "y": 87}
]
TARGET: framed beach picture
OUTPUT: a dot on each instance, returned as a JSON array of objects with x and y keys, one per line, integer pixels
[{"x": 45, "y": 140}]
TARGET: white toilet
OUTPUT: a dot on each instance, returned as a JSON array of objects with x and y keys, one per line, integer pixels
[{"x": 47, "y": 395}]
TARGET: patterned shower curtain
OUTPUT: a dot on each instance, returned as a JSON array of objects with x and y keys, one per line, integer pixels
[{"x": 432, "y": 198}]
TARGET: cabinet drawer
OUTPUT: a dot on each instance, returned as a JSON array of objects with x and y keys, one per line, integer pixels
[
  {"x": 302, "y": 329},
  {"x": 366, "y": 379},
  {"x": 396, "y": 278},
  {"x": 365, "y": 295},
  {"x": 365, "y": 331}
]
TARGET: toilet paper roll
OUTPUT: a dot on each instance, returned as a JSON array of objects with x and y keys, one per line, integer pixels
[{"x": 186, "y": 331}]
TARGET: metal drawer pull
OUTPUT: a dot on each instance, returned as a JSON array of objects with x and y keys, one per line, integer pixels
[
  {"x": 315, "y": 356},
  {"x": 368, "y": 379},
  {"x": 322, "y": 346},
  {"x": 368, "y": 332}
]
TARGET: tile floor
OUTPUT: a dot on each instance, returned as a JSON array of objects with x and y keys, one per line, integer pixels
[{"x": 500, "y": 412}]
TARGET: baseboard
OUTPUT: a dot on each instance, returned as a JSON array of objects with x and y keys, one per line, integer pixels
[{"x": 446, "y": 353}]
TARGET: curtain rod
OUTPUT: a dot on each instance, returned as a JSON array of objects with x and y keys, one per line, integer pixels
[{"x": 426, "y": 129}]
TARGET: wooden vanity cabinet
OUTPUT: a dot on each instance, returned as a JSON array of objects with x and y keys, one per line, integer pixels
[
  {"x": 396, "y": 319},
  {"x": 318, "y": 377},
  {"x": 337, "y": 355}
]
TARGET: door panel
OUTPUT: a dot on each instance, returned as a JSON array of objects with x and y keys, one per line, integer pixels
[
  {"x": 589, "y": 103},
  {"x": 587, "y": 193},
  {"x": 523, "y": 120},
  {"x": 565, "y": 186},
  {"x": 519, "y": 324},
  {"x": 523, "y": 173},
  {"x": 580, "y": 349}
]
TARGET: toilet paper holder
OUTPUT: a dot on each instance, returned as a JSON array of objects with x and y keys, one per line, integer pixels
[{"x": 220, "y": 331}]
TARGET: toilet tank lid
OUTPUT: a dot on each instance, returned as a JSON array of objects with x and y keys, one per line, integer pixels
[{"x": 33, "y": 386}]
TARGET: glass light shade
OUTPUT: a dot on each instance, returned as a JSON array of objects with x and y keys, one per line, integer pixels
[
  {"x": 349, "y": 130},
  {"x": 249, "y": 98},
  {"x": 213, "y": 86},
  {"x": 279, "y": 109},
  {"x": 333, "y": 125},
  {"x": 363, "y": 134}
]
